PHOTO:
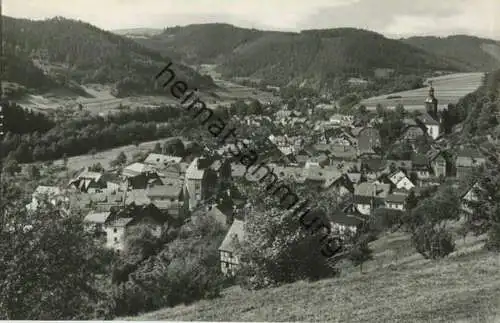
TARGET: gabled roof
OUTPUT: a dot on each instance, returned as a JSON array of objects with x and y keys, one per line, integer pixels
[
  {"x": 120, "y": 222},
  {"x": 419, "y": 160},
  {"x": 170, "y": 190},
  {"x": 136, "y": 169},
  {"x": 192, "y": 172},
  {"x": 427, "y": 120},
  {"x": 100, "y": 217},
  {"x": 396, "y": 198},
  {"x": 236, "y": 231},
  {"x": 372, "y": 189}
]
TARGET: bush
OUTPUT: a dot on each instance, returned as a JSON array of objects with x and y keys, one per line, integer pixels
[{"x": 433, "y": 243}]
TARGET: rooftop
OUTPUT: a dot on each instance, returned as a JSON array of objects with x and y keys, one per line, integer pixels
[
  {"x": 235, "y": 231},
  {"x": 100, "y": 217},
  {"x": 192, "y": 172}
]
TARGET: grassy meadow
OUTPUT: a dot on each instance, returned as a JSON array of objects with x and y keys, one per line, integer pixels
[{"x": 398, "y": 285}]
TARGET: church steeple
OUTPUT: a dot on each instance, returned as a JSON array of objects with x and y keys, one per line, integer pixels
[{"x": 431, "y": 103}]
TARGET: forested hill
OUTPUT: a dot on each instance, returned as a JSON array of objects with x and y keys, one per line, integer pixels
[
  {"x": 315, "y": 56},
  {"x": 472, "y": 53},
  {"x": 73, "y": 51}
]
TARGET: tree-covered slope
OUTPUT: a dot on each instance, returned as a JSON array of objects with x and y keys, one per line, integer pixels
[
  {"x": 473, "y": 53},
  {"x": 67, "y": 50},
  {"x": 315, "y": 56}
]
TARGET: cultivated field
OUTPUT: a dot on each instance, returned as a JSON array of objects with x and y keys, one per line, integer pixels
[
  {"x": 399, "y": 285},
  {"x": 106, "y": 156},
  {"x": 448, "y": 89}
]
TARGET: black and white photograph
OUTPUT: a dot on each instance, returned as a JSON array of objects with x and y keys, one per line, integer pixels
[{"x": 250, "y": 160}]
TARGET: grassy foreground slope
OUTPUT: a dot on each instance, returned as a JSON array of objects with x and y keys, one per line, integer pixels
[{"x": 399, "y": 285}]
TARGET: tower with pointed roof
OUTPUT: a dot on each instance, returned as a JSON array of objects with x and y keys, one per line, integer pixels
[{"x": 431, "y": 103}]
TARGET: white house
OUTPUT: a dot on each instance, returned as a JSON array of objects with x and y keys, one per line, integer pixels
[
  {"x": 431, "y": 125},
  {"x": 195, "y": 183},
  {"x": 401, "y": 181}
]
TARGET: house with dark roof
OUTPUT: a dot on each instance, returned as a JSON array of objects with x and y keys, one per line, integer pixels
[
  {"x": 368, "y": 139},
  {"x": 421, "y": 166},
  {"x": 88, "y": 181},
  {"x": 430, "y": 124},
  {"x": 412, "y": 132},
  {"x": 437, "y": 162},
  {"x": 372, "y": 168},
  {"x": 468, "y": 159},
  {"x": 115, "y": 225},
  {"x": 139, "y": 176},
  {"x": 396, "y": 201},
  {"x": 369, "y": 196},
  {"x": 228, "y": 249}
]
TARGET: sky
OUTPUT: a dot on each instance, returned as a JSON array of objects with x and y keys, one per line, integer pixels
[{"x": 393, "y": 18}]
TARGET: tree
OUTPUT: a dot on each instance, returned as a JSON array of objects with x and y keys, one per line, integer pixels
[
  {"x": 96, "y": 168},
  {"x": 50, "y": 267},
  {"x": 380, "y": 110},
  {"x": 174, "y": 147},
  {"x": 157, "y": 148},
  {"x": 11, "y": 166},
  {"x": 93, "y": 152},
  {"x": 120, "y": 160},
  {"x": 485, "y": 217},
  {"x": 400, "y": 110},
  {"x": 34, "y": 172},
  {"x": 360, "y": 254}
]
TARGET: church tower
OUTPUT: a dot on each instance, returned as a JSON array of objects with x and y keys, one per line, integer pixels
[{"x": 431, "y": 103}]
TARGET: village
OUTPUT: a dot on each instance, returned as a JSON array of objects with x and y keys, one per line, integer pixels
[{"x": 341, "y": 155}]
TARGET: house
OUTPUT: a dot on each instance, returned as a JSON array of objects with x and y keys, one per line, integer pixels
[
  {"x": 139, "y": 176},
  {"x": 396, "y": 202},
  {"x": 437, "y": 163},
  {"x": 341, "y": 222},
  {"x": 169, "y": 197},
  {"x": 95, "y": 222},
  {"x": 399, "y": 164},
  {"x": 469, "y": 195},
  {"x": 421, "y": 166},
  {"x": 160, "y": 161},
  {"x": 467, "y": 160},
  {"x": 372, "y": 168},
  {"x": 368, "y": 196},
  {"x": 114, "y": 226},
  {"x": 412, "y": 132},
  {"x": 228, "y": 249},
  {"x": 368, "y": 139},
  {"x": 119, "y": 224},
  {"x": 52, "y": 194},
  {"x": 430, "y": 124},
  {"x": 400, "y": 180},
  {"x": 339, "y": 137},
  {"x": 196, "y": 182},
  {"x": 89, "y": 182}
]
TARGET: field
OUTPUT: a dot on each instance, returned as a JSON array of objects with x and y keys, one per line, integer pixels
[
  {"x": 448, "y": 89},
  {"x": 399, "y": 285},
  {"x": 104, "y": 157}
]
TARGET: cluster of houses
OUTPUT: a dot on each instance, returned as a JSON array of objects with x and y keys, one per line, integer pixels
[
  {"x": 345, "y": 158},
  {"x": 339, "y": 156}
]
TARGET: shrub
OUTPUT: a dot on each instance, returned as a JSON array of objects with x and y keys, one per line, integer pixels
[{"x": 433, "y": 243}]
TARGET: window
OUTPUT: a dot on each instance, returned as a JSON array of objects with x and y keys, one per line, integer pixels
[
  {"x": 116, "y": 240},
  {"x": 197, "y": 186},
  {"x": 115, "y": 230}
]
